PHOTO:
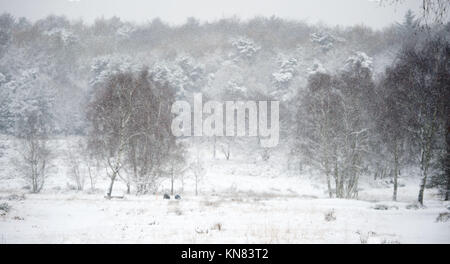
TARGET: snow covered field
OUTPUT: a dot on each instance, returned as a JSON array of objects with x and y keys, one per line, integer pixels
[
  {"x": 239, "y": 202},
  {"x": 77, "y": 218}
]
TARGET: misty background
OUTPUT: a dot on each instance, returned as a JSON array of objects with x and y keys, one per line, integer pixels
[{"x": 344, "y": 13}]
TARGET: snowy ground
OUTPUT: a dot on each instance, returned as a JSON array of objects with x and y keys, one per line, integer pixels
[
  {"x": 240, "y": 202},
  {"x": 216, "y": 219}
]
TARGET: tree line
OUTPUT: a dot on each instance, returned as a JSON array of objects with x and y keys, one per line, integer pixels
[{"x": 354, "y": 102}]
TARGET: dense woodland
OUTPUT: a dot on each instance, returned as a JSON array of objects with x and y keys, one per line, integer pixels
[{"x": 354, "y": 102}]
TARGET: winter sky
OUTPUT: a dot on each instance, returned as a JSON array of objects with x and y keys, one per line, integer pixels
[{"x": 332, "y": 12}]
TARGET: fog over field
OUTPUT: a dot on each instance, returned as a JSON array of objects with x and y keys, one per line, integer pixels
[{"x": 224, "y": 121}]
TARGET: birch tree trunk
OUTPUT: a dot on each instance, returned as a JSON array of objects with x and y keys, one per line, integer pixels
[{"x": 394, "y": 197}]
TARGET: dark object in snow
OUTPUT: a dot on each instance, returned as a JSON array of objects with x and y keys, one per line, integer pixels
[
  {"x": 414, "y": 206},
  {"x": 114, "y": 197},
  {"x": 330, "y": 216},
  {"x": 381, "y": 207},
  {"x": 177, "y": 197},
  {"x": 166, "y": 196},
  {"x": 16, "y": 197},
  {"x": 4, "y": 208},
  {"x": 217, "y": 226},
  {"x": 385, "y": 207},
  {"x": 443, "y": 217}
]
